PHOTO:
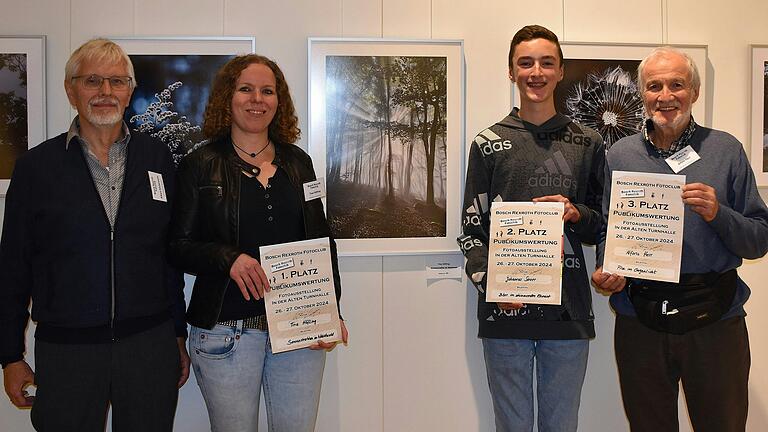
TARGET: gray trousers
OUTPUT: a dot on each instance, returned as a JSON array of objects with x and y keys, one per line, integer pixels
[{"x": 137, "y": 376}]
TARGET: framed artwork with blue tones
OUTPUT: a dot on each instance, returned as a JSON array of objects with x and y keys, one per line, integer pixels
[
  {"x": 22, "y": 100},
  {"x": 174, "y": 77}
]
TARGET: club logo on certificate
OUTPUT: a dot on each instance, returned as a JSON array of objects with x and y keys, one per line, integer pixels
[
  {"x": 525, "y": 253},
  {"x": 301, "y": 305}
]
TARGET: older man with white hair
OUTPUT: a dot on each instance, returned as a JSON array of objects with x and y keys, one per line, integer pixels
[
  {"x": 725, "y": 222},
  {"x": 84, "y": 238}
]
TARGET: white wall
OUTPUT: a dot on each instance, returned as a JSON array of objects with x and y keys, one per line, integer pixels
[{"x": 414, "y": 363}]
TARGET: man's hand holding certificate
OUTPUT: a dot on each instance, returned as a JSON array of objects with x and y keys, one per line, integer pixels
[
  {"x": 525, "y": 252},
  {"x": 301, "y": 305},
  {"x": 645, "y": 226}
]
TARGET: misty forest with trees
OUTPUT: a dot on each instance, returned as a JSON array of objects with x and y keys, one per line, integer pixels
[
  {"x": 386, "y": 146},
  {"x": 13, "y": 110}
]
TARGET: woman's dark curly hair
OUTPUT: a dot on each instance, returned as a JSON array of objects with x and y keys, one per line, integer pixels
[{"x": 217, "y": 121}]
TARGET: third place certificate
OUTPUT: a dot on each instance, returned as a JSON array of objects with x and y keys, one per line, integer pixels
[
  {"x": 645, "y": 226},
  {"x": 525, "y": 252}
]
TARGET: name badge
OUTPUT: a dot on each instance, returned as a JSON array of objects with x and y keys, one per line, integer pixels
[
  {"x": 682, "y": 159},
  {"x": 314, "y": 189},
  {"x": 157, "y": 186},
  {"x": 512, "y": 221}
]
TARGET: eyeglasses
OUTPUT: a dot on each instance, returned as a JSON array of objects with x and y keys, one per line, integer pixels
[{"x": 93, "y": 82}]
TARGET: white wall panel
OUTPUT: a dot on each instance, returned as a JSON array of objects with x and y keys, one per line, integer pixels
[
  {"x": 173, "y": 17},
  {"x": 105, "y": 18},
  {"x": 407, "y": 19},
  {"x": 351, "y": 399},
  {"x": 433, "y": 370},
  {"x": 603, "y": 21},
  {"x": 361, "y": 18}
]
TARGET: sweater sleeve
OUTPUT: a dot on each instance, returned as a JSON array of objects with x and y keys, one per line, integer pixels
[
  {"x": 742, "y": 222},
  {"x": 476, "y": 217},
  {"x": 590, "y": 223},
  {"x": 606, "y": 205},
  {"x": 15, "y": 265}
]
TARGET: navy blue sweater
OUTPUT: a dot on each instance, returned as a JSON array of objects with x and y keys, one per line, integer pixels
[{"x": 56, "y": 249}]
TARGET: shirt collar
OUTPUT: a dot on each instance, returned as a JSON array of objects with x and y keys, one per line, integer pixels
[
  {"x": 74, "y": 132},
  {"x": 676, "y": 146}
]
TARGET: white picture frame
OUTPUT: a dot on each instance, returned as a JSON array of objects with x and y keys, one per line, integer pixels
[
  {"x": 26, "y": 76},
  {"x": 396, "y": 241}
]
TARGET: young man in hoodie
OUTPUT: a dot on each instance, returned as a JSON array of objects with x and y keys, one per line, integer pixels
[{"x": 535, "y": 154}]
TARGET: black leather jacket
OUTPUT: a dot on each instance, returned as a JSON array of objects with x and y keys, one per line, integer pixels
[{"x": 205, "y": 223}]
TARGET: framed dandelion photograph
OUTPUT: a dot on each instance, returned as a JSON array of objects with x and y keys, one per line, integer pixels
[
  {"x": 759, "y": 132},
  {"x": 22, "y": 100},
  {"x": 387, "y": 134},
  {"x": 174, "y": 77},
  {"x": 599, "y": 87}
]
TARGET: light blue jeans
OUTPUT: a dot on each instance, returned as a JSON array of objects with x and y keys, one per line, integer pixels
[
  {"x": 232, "y": 364},
  {"x": 560, "y": 369}
]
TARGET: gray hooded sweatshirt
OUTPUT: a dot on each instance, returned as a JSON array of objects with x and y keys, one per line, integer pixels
[{"x": 514, "y": 160}]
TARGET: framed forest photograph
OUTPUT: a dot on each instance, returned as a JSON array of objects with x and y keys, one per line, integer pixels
[
  {"x": 174, "y": 77},
  {"x": 759, "y": 131},
  {"x": 599, "y": 86},
  {"x": 22, "y": 100},
  {"x": 387, "y": 134}
]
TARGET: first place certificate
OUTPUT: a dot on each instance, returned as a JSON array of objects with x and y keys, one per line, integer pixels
[
  {"x": 301, "y": 305},
  {"x": 645, "y": 226},
  {"x": 525, "y": 253}
]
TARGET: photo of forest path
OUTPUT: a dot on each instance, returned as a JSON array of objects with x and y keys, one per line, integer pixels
[{"x": 386, "y": 146}]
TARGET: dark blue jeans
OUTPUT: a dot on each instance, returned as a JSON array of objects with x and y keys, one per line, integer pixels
[{"x": 560, "y": 369}]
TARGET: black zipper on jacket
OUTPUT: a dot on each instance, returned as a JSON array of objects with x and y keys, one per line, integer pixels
[{"x": 112, "y": 276}]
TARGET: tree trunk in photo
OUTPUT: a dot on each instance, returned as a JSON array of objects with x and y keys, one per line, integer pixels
[
  {"x": 358, "y": 156},
  {"x": 408, "y": 160}
]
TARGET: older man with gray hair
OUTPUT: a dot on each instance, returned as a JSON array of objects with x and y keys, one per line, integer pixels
[
  {"x": 725, "y": 221},
  {"x": 84, "y": 238}
]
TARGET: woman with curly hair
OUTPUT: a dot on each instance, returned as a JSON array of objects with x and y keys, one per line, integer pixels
[{"x": 243, "y": 190}]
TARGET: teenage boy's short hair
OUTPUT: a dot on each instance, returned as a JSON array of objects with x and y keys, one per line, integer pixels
[{"x": 531, "y": 32}]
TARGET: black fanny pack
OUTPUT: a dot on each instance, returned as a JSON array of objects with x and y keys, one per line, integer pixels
[{"x": 677, "y": 308}]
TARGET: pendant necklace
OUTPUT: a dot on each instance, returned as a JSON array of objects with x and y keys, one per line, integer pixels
[{"x": 256, "y": 170}]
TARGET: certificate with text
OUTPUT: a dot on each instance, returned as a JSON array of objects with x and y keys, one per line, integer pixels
[
  {"x": 645, "y": 226},
  {"x": 301, "y": 305},
  {"x": 525, "y": 253}
]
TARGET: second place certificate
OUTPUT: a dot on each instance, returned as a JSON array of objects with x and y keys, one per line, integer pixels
[{"x": 525, "y": 253}]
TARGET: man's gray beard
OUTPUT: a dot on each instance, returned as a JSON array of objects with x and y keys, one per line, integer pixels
[
  {"x": 110, "y": 119},
  {"x": 680, "y": 121}
]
